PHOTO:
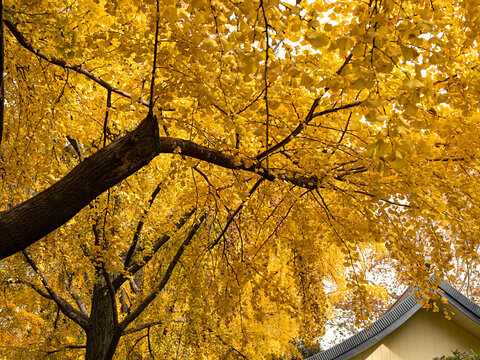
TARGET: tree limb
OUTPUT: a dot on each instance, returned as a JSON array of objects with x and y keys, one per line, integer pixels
[
  {"x": 310, "y": 116},
  {"x": 65, "y": 348},
  {"x": 136, "y": 266},
  {"x": 235, "y": 213},
  {"x": 64, "y": 64},
  {"x": 31, "y": 220},
  {"x": 140, "y": 224},
  {"x": 111, "y": 293},
  {"x": 33, "y": 286},
  {"x": 63, "y": 304},
  {"x": 81, "y": 306},
  {"x": 150, "y": 324},
  {"x": 2, "y": 71},
  {"x": 168, "y": 273},
  {"x": 141, "y": 327}
]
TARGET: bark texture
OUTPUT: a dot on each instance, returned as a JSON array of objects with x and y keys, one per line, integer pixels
[
  {"x": 103, "y": 333},
  {"x": 31, "y": 220}
]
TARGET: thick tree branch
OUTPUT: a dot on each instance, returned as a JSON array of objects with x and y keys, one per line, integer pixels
[
  {"x": 235, "y": 162},
  {"x": 29, "y": 221},
  {"x": 168, "y": 273},
  {"x": 63, "y": 305},
  {"x": 111, "y": 293}
]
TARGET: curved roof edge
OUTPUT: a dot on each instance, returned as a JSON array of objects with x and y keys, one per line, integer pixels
[
  {"x": 392, "y": 320},
  {"x": 460, "y": 301}
]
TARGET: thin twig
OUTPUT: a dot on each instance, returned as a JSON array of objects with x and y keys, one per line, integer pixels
[
  {"x": 142, "y": 327},
  {"x": 75, "y": 146},
  {"x": 65, "y": 348},
  {"x": 265, "y": 79},
  {"x": 135, "y": 344},
  {"x": 168, "y": 273},
  {"x": 152, "y": 84},
  {"x": 308, "y": 118},
  {"x": 64, "y": 64},
  {"x": 33, "y": 286},
  {"x": 162, "y": 240},
  {"x": 2, "y": 71},
  {"x": 63, "y": 304},
  {"x": 230, "y": 346},
  {"x": 107, "y": 111},
  {"x": 149, "y": 344},
  {"x": 235, "y": 213},
  {"x": 140, "y": 224}
]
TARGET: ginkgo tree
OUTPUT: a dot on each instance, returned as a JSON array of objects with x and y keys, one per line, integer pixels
[{"x": 192, "y": 177}]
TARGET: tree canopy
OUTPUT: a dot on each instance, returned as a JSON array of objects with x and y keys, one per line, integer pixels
[{"x": 208, "y": 178}]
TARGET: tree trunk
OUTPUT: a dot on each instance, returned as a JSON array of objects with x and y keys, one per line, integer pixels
[{"x": 103, "y": 334}]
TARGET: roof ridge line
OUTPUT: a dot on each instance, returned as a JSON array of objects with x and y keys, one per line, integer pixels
[{"x": 397, "y": 314}]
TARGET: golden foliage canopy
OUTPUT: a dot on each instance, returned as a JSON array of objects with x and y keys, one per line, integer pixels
[{"x": 210, "y": 175}]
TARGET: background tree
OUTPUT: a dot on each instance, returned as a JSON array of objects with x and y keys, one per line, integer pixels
[{"x": 215, "y": 208}]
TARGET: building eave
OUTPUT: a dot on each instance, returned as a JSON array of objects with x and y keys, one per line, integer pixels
[{"x": 392, "y": 320}]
